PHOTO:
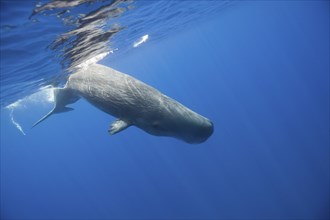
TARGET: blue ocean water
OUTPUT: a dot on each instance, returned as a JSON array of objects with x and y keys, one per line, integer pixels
[{"x": 258, "y": 69}]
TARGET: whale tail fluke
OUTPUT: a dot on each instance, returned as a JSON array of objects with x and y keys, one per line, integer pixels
[{"x": 62, "y": 98}]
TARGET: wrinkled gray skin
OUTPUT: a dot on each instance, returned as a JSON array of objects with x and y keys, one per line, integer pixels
[{"x": 133, "y": 103}]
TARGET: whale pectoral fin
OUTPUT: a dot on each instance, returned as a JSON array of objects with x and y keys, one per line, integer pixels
[{"x": 117, "y": 126}]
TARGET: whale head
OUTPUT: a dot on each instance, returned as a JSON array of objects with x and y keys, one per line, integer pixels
[{"x": 175, "y": 120}]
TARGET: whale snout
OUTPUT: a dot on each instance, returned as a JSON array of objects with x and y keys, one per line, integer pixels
[
  {"x": 201, "y": 133},
  {"x": 207, "y": 131}
]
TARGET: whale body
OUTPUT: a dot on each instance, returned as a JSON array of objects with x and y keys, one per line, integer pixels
[{"x": 132, "y": 102}]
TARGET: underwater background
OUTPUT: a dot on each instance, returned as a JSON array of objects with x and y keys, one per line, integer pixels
[{"x": 258, "y": 69}]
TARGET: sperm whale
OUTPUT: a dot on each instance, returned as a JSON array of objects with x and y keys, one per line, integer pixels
[{"x": 132, "y": 102}]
